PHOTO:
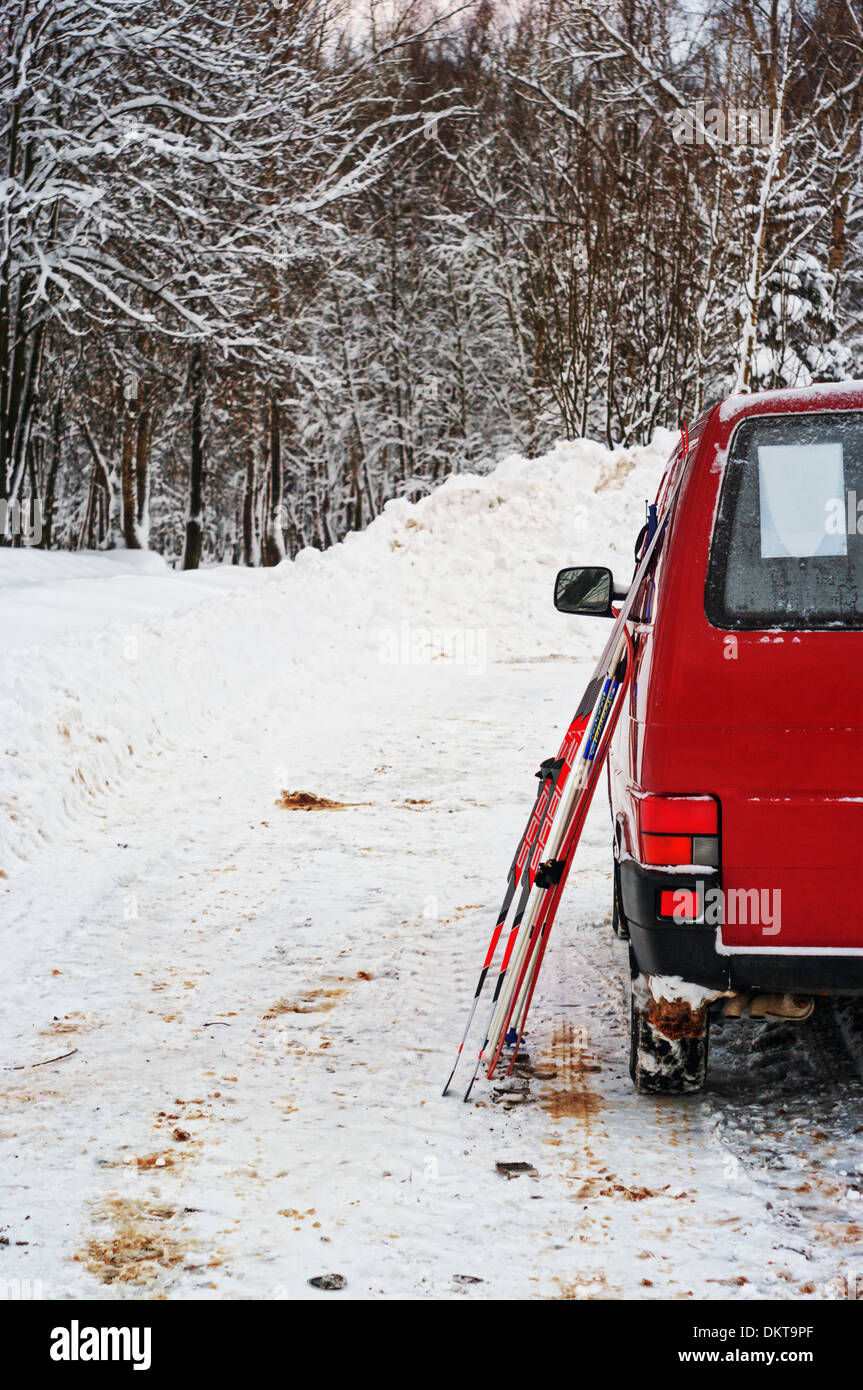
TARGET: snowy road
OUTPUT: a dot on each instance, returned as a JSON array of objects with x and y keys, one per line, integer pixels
[
  {"x": 298, "y": 1030},
  {"x": 260, "y": 1006}
]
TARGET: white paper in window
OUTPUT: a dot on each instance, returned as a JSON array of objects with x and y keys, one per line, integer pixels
[{"x": 798, "y": 487}]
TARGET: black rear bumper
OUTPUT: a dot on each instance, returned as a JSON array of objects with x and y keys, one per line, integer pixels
[{"x": 663, "y": 947}]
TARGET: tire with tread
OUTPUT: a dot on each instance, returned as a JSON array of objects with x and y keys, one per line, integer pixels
[
  {"x": 663, "y": 1065},
  {"x": 618, "y": 921}
]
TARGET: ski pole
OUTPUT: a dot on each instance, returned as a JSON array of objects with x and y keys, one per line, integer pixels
[
  {"x": 567, "y": 833},
  {"x": 547, "y": 773},
  {"x": 599, "y": 712},
  {"x": 567, "y": 855},
  {"x": 531, "y": 847}
]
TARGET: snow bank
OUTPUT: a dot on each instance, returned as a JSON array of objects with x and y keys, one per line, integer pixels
[
  {"x": 45, "y": 594},
  {"x": 108, "y": 655}
]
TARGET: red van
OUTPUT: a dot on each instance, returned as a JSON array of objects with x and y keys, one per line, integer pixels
[{"x": 736, "y": 769}]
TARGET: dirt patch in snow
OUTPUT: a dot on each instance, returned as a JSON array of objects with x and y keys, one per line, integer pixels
[
  {"x": 628, "y": 1194},
  {"x": 314, "y": 1001},
  {"x": 614, "y": 471},
  {"x": 165, "y": 1160},
  {"x": 606, "y": 1184},
  {"x": 591, "y": 1287},
  {"x": 71, "y": 1023},
  {"x": 308, "y": 801},
  {"x": 839, "y": 1232},
  {"x": 137, "y": 1245},
  {"x": 572, "y": 1095}
]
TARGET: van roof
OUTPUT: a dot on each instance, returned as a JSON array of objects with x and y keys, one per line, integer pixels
[{"x": 827, "y": 395}]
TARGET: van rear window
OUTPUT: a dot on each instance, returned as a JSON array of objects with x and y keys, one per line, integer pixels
[{"x": 787, "y": 550}]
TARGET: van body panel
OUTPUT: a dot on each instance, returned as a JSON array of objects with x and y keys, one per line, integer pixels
[{"x": 768, "y": 721}]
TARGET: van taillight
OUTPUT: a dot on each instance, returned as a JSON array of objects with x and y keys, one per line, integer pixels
[
  {"x": 666, "y": 849},
  {"x": 680, "y": 903},
  {"x": 678, "y": 830}
]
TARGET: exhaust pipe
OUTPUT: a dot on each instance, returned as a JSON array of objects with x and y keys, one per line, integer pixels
[{"x": 788, "y": 1006}]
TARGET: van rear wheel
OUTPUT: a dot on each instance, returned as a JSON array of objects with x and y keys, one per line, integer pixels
[{"x": 667, "y": 1045}]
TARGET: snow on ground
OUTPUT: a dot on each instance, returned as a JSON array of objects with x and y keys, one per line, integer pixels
[{"x": 260, "y": 1004}]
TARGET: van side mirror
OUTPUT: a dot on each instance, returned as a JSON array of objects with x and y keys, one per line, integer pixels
[{"x": 585, "y": 590}]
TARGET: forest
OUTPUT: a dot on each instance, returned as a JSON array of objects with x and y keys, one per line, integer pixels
[{"x": 267, "y": 264}]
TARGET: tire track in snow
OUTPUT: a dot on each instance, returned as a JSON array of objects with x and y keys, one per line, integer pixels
[{"x": 318, "y": 1140}]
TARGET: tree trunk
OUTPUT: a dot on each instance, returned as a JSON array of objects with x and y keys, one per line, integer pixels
[
  {"x": 274, "y": 541},
  {"x": 129, "y": 487},
  {"x": 251, "y": 548},
  {"x": 57, "y": 428},
  {"x": 85, "y": 534},
  {"x": 107, "y": 479},
  {"x": 194, "y": 527},
  {"x": 357, "y": 521},
  {"x": 142, "y": 478}
]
